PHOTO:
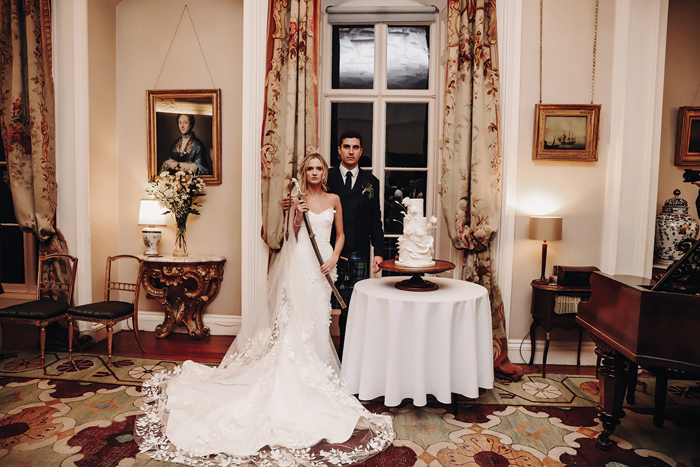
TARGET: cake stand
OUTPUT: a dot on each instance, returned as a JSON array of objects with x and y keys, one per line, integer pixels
[{"x": 416, "y": 283}]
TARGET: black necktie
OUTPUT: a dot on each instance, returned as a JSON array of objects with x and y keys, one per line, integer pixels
[{"x": 348, "y": 181}]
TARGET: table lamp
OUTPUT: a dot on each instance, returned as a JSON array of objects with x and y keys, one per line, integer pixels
[
  {"x": 151, "y": 215},
  {"x": 545, "y": 228}
]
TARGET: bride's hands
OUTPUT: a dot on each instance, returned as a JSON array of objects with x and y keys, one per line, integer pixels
[
  {"x": 328, "y": 266},
  {"x": 300, "y": 208}
]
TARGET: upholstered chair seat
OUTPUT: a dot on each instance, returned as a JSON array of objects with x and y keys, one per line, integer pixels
[
  {"x": 109, "y": 312},
  {"x": 54, "y": 295},
  {"x": 103, "y": 311},
  {"x": 35, "y": 311}
]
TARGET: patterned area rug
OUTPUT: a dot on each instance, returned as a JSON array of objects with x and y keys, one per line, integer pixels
[
  {"x": 76, "y": 423},
  {"x": 84, "y": 418},
  {"x": 85, "y": 367},
  {"x": 554, "y": 390}
]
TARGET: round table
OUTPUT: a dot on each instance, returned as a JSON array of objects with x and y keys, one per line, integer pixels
[{"x": 405, "y": 345}]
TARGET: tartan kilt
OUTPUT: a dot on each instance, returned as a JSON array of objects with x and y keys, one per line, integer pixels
[{"x": 349, "y": 272}]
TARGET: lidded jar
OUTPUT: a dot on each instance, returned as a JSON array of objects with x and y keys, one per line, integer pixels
[{"x": 673, "y": 225}]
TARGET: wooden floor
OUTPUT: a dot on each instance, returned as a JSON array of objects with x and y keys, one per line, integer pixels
[{"x": 179, "y": 346}]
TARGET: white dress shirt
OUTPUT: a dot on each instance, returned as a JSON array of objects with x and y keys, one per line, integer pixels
[{"x": 355, "y": 172}]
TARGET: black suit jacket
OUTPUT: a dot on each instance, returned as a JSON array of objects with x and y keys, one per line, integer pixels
[{"x": 362, "y": 216}]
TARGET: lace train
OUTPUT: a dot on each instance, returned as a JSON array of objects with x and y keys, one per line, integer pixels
[{"x": 277, "y": 396}]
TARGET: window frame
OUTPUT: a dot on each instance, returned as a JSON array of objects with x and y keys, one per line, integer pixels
[
  {"x": 26, "y": 290},
  {"x": 380, "y": 96}
]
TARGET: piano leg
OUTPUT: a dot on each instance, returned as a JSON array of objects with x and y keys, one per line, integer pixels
[
  {"x": 660, "y": 397},
  {"x": 632, "y": 383},
  {"x": 612, "y": 380}
]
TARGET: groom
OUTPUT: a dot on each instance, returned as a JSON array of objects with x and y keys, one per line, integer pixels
[{"x": 362, "y": 220}]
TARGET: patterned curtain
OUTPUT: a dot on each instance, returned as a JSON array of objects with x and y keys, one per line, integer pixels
[
  {"x": 471, "y": 161},
  {"x": 27, "y": 117},
  {"x": 290, "y": 128}
]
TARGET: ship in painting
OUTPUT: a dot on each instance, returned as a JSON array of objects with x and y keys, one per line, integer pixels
[{"x": 567, "y": 139}]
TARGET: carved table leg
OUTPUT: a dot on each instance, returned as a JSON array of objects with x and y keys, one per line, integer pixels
[
  {"x": 184, "y": 290},
  {"x": 613, "y": 376},
  {"x": 544, "y": 356},
  {"x": 533, "y": 328}
]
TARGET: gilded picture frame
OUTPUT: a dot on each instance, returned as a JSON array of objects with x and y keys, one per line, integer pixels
[
  {"x": 197, "y": 112},
  {"x": 566, "y": 132},
  {"x": 688, "y": 137}
]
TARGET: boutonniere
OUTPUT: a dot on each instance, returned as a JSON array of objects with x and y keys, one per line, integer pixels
[{"x": 368, "y": 190}]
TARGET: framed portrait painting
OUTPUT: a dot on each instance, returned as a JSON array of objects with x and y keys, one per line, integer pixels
[
  {"x": 184, "y": 132},
  {"x": 688, "y": 136},
  {"x": 566, "y": 132}
]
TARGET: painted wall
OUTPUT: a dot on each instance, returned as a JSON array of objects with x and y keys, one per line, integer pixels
[
  {"x": 145, "y": 36},
  {"x": 681, "y": 84},
  {"x": 102, "y": 71},
  {"x": 573, "y": 190}
]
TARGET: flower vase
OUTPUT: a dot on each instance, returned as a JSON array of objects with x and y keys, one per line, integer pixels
[{"x": 181, "y": 237}]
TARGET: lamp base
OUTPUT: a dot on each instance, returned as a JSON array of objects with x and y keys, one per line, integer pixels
[{"x": 151, "y": 238}]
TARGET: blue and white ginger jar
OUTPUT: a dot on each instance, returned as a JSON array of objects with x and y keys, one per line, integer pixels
[{"x": 673, "y": 225}]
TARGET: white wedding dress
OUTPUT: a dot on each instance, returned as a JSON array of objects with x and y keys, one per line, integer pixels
[{"x": 277, "y": 395}]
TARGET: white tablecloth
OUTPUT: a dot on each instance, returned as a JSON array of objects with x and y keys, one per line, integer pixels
[{"x": 406, "y": 345}]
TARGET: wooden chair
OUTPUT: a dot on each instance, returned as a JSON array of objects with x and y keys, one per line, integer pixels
[
  {"x": 109, "y": 312},
  {"x": 54, "y": 295}
]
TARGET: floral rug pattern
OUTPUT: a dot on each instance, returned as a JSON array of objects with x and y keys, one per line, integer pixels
[
  {"x": 80, "y": 423},
  {"x": 85, "y": 367}
]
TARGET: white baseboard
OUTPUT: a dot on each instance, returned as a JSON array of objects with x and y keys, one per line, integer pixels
[
  {"x": 219, "y": 325},
  {"x": 560, "y": 352}
]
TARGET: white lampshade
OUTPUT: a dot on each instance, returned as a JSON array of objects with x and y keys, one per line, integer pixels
[
  {"x": 545, "y": 228},
  {"x": 151, "y": 213}
]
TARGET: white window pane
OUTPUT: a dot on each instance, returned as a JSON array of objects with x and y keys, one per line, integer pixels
[
  {"x": 353, "y": 57},
  {"x": 408, "y": 57}
]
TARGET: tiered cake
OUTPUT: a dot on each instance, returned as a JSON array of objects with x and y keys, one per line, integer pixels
[{"x": 416, "y": 244}]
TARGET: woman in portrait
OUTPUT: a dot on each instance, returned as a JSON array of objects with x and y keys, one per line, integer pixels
[{"x": 187, "y": 152}]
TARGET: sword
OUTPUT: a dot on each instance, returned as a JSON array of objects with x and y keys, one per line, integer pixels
[{"x": 312, "y": 237}]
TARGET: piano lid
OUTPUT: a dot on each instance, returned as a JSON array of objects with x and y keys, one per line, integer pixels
[{"x": 683, "y": 276}]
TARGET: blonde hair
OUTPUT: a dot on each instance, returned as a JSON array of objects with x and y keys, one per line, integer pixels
[{"x": 305, "y": 165}]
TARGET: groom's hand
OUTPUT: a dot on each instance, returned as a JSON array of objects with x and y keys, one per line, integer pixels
[
  {"x": 287, "y": 203},
  {"x": 375, "y": 264}
]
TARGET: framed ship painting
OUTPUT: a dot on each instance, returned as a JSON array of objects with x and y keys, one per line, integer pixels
[
  {"x": 688, "y": 137},
  {"x": 184, "y": 132},
  {"x": 566, "y": 132}
]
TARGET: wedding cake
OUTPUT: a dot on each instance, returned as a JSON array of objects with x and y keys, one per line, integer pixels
[{"x": 416, "y": 243}]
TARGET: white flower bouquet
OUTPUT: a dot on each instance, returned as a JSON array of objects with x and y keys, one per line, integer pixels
[{"x": 178, "y": 194}]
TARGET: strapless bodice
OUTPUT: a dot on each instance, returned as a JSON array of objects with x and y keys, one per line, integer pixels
[{"x": 321, "y": 224}]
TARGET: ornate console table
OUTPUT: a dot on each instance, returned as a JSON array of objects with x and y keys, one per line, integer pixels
[{"x": 184, "y": 286}]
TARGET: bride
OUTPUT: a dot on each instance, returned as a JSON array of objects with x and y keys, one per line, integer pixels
[{"x": 277, "y": 395}]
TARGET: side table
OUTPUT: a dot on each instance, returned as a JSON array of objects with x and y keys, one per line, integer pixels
[
  {"x": 552, "y": 307},
  {"x": 184, "y": 286}
]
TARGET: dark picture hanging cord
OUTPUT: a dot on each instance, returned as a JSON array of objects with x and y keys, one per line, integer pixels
[
  {"x": 595, "y": 41},
  {"x": 541, "y": 9},
  {"x": 173, "y": 40}
]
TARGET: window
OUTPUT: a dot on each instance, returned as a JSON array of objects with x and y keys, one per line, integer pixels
[
  {"x": 382, "y": 84},
  {"x": 18, "y": 250}
]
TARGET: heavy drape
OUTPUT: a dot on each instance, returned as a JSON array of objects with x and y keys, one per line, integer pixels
[
  {"x": 471, "y": 161},
  {"x": 290, "y": 128},
  {"x": 27, "y": 117}
]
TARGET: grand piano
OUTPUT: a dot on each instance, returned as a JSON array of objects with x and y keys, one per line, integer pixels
[{"x": 635, "y": 322}]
